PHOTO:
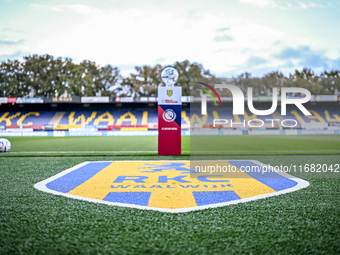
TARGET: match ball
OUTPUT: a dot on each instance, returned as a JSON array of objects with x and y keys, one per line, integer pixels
[
  {"x": 5, "y": 145},
  {"x": 169, "y": 76}
]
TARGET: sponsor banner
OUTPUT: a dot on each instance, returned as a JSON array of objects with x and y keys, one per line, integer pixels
[
  {"x": 84, "y": 133},
  {"x": 169, "y": 186},
  {"x": 223, "y": 99},
  {"x": 226, "y": 99},
  {"x": 324, "y": 98},
  {"x": 132, "y": 133},
  {"x": 169, "y": 95},
  {"x": 48, "y": 127},
  {"x": 316, "y": 125},
  {"x": 62, "y": 99},
  {"x": 94, "y": 126},
  {"x": 25, "y": 134},
  {"x": 95, "y": 99},
  {"x": 319, "y": 132},
  {"x": 2, "y": 127},
  {"x": 187, "y": 99},
  {"x": 20, "y": 129},
  {"x": 129, "y": 99},
  {"x": 126, "y": 99},
  {"x": 197, "y": 99},
  {"x": 321, "y": 98},
  {"x": 266, "y": 132},
  {"x": 30, "y": 100},
  {"x": 268, "y": 98},
  {"x": 3, "y": 100},
  {"x": 185, "y": 126},
  {"x": 11, "y": 100},
  {"x": 295, "y": 132},
  {"x": 293, "y": 97},
  {"x": 216, "y": 132},
  {"x": 155, "y": 133},
  {"x": 101, "y": 126}
]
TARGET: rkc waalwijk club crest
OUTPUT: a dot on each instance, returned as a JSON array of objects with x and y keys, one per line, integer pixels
[
  {"x": 168, "y": 186},
  {"x": 169, "y": 92}
]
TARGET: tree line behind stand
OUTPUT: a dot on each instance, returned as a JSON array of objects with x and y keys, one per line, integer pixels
[{"x": 46, "y": 76}]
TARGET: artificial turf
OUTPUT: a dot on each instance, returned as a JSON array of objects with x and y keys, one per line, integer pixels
[
  {"x": 147, "y": 146},
  {"x": 33, "y": 222}
]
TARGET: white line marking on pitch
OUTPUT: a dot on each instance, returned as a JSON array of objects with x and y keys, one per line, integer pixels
[{"x": 113, "y": 152}]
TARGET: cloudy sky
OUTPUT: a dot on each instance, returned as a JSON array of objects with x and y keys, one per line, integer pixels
[{"x": 228, "y": 37}]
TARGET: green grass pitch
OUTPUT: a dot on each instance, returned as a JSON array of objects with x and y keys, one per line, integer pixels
[
  {"x": 147, "y": 146},
  {"x": 33, "y": 222}
]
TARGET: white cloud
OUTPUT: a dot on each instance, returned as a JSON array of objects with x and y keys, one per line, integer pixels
[
  {"x": 259, "y": 3},
  {"x": 76, "y": 8},
  {"x": 138, "y": 36},
  {"x": 308, "y": 5},
  {"x": 227, "y": 39}
]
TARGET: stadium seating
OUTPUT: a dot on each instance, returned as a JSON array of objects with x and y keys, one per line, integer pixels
[
  {"x": 148, "y": 118},
  {"x": 81, "y": 118}
]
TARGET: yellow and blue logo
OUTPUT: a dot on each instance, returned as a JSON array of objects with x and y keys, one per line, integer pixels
[
  {"x": 168, "y": 186},
  {"x": 169, "y": 92}
]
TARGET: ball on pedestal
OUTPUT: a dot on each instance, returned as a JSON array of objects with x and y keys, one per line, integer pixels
[{"x": 169, "y": 76}]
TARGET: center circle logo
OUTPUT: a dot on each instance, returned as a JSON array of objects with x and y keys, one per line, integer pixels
[{"x": 169, "y": 115}]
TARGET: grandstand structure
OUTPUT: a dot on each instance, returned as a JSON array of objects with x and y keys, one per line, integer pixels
[{"x": 140, "y": 115}]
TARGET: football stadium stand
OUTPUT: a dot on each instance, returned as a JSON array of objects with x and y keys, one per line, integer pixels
[{"x": 142, "y": 117}]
